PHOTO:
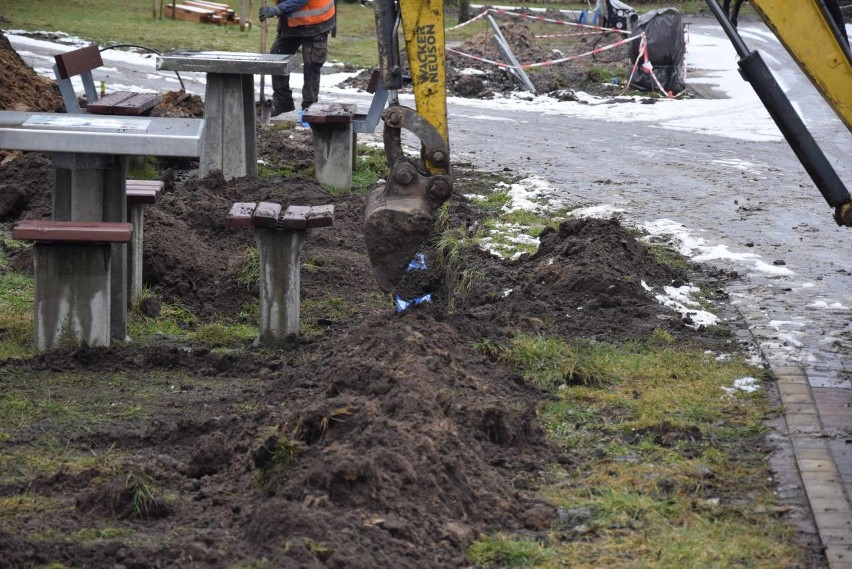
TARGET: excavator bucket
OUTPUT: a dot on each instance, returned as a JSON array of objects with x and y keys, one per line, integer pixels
[
  {"x": 394, "y": 230},
  {"x": 398, "y": 220},
  {"x": 399, "y": 214}
]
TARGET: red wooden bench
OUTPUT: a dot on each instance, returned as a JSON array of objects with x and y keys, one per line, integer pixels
[
  {"x": 72, "y": 279},
  {"x": 81, "y": 62},
  {"x": 139, "y": 194},
  {"x": 280, "y": 232}
]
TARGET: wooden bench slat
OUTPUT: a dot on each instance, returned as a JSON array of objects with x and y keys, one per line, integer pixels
[
  {"x": 266, "y": 214},
  {"x": 73, "y": 231},
  {"x": 124, "y": 103},
  {"x": 239, "y": 217},
  {"x": 78, "y": 61},
  {"x": 142, "y": 195},
  {"x": 158, "y": 185},
  {"x": 335, "y": 113},
  {"x": 307, "y": 217},
  {"x": 320, "y": 216}
]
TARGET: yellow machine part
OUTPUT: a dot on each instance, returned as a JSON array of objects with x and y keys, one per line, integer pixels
[
  {"x": 808, "y": 36},
  {"x": 423, "y": 30}
]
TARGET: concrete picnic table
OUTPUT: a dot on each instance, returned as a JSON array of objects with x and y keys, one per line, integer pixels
[
  {"x": 230, "y": 139},
  {"x": 89, "y": 154}
]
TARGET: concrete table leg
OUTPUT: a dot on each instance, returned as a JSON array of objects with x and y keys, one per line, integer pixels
[
  {"x": 72, "y": 295},
  {"x": 279, "y": 284},
  {"x": 230, "y": 142},
  {"x": 134, "y": 254},
  {"x": 334, "y": 154},
  {"x": 92, "y": 187},
  {"x": 115, "y": 210}
]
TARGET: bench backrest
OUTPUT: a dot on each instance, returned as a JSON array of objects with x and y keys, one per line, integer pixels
[{"x": 71, "y": 64}]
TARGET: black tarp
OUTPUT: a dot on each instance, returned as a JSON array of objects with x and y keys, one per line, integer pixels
[{"x": 663, "y": 31}]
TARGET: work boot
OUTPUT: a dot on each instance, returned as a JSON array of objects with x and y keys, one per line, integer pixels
[{"x": 279, "y": 107}]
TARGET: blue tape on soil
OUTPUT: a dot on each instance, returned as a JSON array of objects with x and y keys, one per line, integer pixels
[
  {"x": 403, "y": 304},
  {"x": 418, "y": 263}
]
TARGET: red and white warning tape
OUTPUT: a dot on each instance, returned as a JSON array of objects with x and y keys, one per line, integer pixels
[
  {"x": 550, "y": 61},
  {"x": 536, "y": 19}
]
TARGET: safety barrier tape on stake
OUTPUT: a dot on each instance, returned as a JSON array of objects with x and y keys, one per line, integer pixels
[
  {"x": 647, "y": 67},
  {"x": 548, "y": 62},
  {"x": 571, "y": 35},
  {"x": 537, "y": 19}
]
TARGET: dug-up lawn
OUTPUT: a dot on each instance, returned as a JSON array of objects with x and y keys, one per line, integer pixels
[{"x": 541, "y": 411}]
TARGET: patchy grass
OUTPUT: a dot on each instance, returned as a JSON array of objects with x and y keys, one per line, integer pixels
[
  {"x": 17, "y": 293},
  {"x": 224, "y": 334},
  {"x": 503, "y": 550},
  {"x": 315, "y": 315},
  {"x": 665, "y": 460},
  {"x": 281, "y": 455},
  {"x": 370, "y": 167}
]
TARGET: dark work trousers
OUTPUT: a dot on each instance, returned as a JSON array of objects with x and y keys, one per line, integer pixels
[{"x": 314, "y": 52}]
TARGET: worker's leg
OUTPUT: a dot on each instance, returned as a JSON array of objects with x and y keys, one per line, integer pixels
[
  {"x": 314, "y": 51},
  {"x": 282, "y": 95}
]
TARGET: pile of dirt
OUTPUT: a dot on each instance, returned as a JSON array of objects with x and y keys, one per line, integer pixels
[
  {"x": 386, "y": 440},
  {"x": 475, "y": 79},
  {"x": 22, "y": 88}
]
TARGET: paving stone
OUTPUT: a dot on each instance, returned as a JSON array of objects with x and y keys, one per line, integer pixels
[{"x": 817, "y": 466}]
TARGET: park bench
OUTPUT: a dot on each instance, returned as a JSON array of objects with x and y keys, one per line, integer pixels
[
  {"x": 280, "y": 233},
  {"x": 335, "y": 128},
  {"x": 139, "y": 194},
  {"x": 81, "y": 62},
  {"x": 334, "y": 142},
  {"x": 72, "y": 279}
]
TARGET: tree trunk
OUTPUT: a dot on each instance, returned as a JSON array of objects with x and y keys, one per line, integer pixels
[{"x": 464, "y": 11}]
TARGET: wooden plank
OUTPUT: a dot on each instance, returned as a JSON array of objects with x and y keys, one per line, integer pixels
[
  {"x": 240, "y": 215},
  {"x": 223, "y": 9},
  {"x": 190, "y": 15},
  {"x": 159, "y": 184},
  {"x": 124, "y": 103},
  {"x": 143, "y": 196},
  {"x": 266, "y": 215},
  {"x": 320, "y": 216},
  {"x": 334, "y": 113},
  {"x": 307, "y": 217},
  {"x": 73, "y": 231},
  {"x": 73, "y": 63},
  {"x": 295, "y": 217}
]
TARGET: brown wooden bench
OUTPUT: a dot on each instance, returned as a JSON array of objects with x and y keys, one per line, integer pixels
[
  {"x": 72, "y": 279},
  {"x": 334, "y": 142},
  {"x": 280, "y": 232},
  {"x": 243, "y": 215},
  {"x": 139, "y": 194},
  {"x": 81, "y": 62}
]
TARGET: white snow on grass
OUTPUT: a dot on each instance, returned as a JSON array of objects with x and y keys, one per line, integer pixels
[
  {"x": 697, "y": 249},
  {"x": 682, "y": 300},
  {"x": 746, "y": 384},
  {"x": 603, "y": 211}
]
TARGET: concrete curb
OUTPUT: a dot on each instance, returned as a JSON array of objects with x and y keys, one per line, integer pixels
[
  {"x": 813, "y": 439},
  {"x": 823, "y": 485}
]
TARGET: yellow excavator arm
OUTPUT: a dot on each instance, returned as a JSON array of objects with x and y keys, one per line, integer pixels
[
  {"x": 811, "y": 37},
  {"x": 399, "y": 214},
  {"x": 812, "y": 32}
]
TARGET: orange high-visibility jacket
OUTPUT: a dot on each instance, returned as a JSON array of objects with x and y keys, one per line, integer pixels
[{"x": 314, "y": 12}]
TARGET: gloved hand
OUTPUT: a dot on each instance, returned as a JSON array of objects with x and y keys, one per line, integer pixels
[{"x": 269, "y": 12}]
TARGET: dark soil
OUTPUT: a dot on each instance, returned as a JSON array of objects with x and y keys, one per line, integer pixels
[
  {"x": 387, "y": 440},
  {"x": 561, "y": 81}
]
